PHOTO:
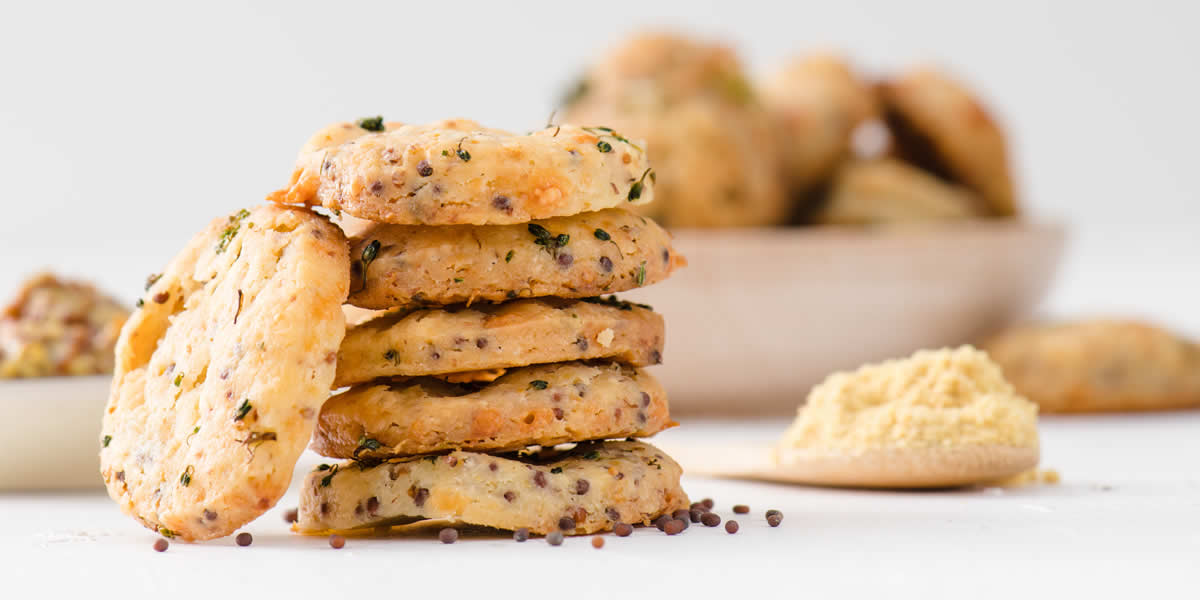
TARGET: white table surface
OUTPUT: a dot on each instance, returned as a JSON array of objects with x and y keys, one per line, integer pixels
[{"x": 1124, "y": 520}]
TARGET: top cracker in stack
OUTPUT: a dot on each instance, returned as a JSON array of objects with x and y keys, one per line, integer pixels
[{"x": 489, "y": 251}]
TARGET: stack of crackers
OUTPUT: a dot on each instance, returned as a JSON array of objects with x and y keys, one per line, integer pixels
[{"x": 486, "y": 389}]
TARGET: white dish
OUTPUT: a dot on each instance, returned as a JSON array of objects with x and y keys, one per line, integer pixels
[
  {"x": 761, "y": 315},
  {"x": 50, "y": 432}
]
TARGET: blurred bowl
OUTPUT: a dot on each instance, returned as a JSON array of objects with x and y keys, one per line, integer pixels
[
  {"x": 759, "y": 316},
  {"x": 50, "y": 432}
]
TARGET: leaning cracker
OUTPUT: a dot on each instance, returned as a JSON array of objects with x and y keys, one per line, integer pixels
[
  {"x": 1100, "y": 366},
  {"x": 220, "y": 375},
  {"x": 570, "y": 257},
  {"x": 595, "y": 485},
  {"x": 942, "y": 127},
  {"x": 484, "y": 337},
  {"x": 459, "y": 172},
  {"x": 541, "y": 405}
]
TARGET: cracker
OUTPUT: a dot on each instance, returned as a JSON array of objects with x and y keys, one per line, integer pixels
[
  {"x": 596, "y": 485},
  {"x": 541, "y": 405},
  {"x": 221, "y": 373},
  {"x": 459, "y": 172}
]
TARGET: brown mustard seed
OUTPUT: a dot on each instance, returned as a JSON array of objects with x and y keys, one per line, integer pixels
[
  {"x": 731, "y": 526},
  {"x": 674, "y": 526},
  {"x": 448, "y": 535},
  {"x": 291, "y": 515},
  {"x": 681, "y": 514},
  {"x": 708, "y": 503},
  {"x": 695, "y": 514},
  {"x": 244, "y": 539},
  {"x": 773, "y": 512},
  {"x": 521, "y": 534},
  {"x": 741, "y": 509},
  {"x": 711, "y": 519},
  {"x": 597, "y": 542},
  {"x": 555, "y": 538},
  {"x": 160, "y": 545},
  {"x": 697, "y": 506},
  {"x": 774, "y": 519},
  {"x": 622, "y": 529},
  {"x": 661, "y": 522},
  {"x": 337, "y": 542},
  {"x": 566, "y": 524}
]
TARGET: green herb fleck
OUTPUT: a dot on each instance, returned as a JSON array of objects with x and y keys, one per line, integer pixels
[
  {"x": 328, "y": 479},
  {"x": 196, "y": 430},
  {"x": 608, "y": 131},
  {"x": 602, "y": 235},
  {"x": 167, "y": 533},
  {"x": 366, "y": 443},
  {"x": 371, "y": 123},
  {"x": 548, "y": 241},
  {"x": 604, "y": 146},
  {"x": 640, "y": 277},
  {"x": 539, "y": 384},
  {"x": 243, "y": 410},
  {"x": 104, "y": 442},
  {"x": 152, "y": 279},
  {"x": 186, "y": 478},
  {"x": 556, "y": 470},
  {"x": 178, "y": 379},
  {"x": 445, "y": 153},
  {"x": 508, "y": 257},
  {"x": 462, "y": 154},
  {"x": 231, "y": 230},
  {"x": 458, "y": 280},
  {"x": 593, "y": 455},
  {"x": 323, "y": 467},
  {"x": 369, "y": 253},
  {"x": 635, "y": 191},
  {"x": 140, "y": 303}
]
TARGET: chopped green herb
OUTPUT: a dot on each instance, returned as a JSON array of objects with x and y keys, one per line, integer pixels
[
  {"x": 178, "y": 379},
  {"x": 323, "y": 467},
  {"x": 104, "y": 442},
  {"x": 366, "y": 443},
  {"x": 235, "y": 223},
  {"x": 548, "y": 241},
  {"x": 593, "y": 455},
  {"x": 608, "y": 131},
  {"x": 196, "y": 430},
  {"x": 371, "y": 123},
  {"x": 508, "y": 257},
  {"x": 640, "y": 277},
  {"x": 602, "y": 235},
  {"x": 462, "y": 154},
  {"x": 152, "y": 279},
  {"x": 539, "y": 384},
  {"x": 604, "y": 146},
  {"x": 243, "y": 410},
  {"x": 458, "y": 280},
  {"x": 445, "y": 153},
  {"x": 167, "y": 533},
  {"x": 369, "y": 253},
  {"x": 328, "y": 479},
  {"x": 186, "y": 478},
  {"x": 140, "y": 303},
  {"x": 635, "y": 191},
  {"x": 556, "y": 470}
]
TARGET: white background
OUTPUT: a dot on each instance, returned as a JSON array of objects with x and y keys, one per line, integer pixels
[{"x": 124, "y": 128}]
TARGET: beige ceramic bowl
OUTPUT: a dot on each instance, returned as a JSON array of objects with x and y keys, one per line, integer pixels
[{"x": 761, "y": 315}]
